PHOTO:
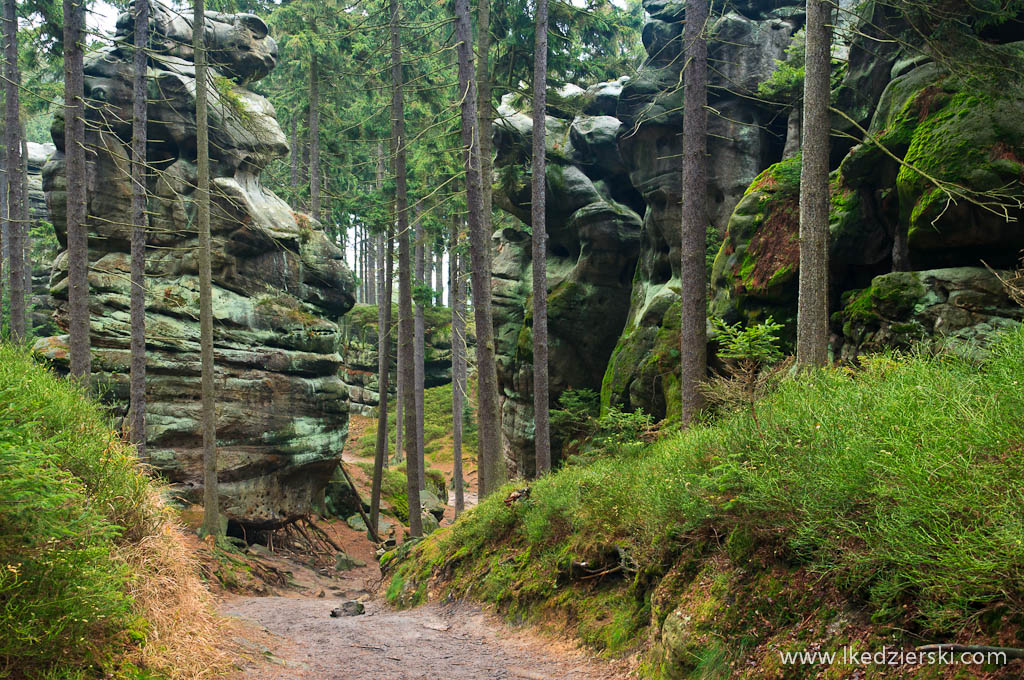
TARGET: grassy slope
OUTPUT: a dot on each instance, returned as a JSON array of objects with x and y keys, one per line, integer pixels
[
  {"x": 94, "y": 579},
  {"x": 869, "y": 508}
]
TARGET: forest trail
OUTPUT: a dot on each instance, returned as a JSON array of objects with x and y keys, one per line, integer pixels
[
  {"x": 292, "y": 636},
  {"x": 455, "y": 641}
]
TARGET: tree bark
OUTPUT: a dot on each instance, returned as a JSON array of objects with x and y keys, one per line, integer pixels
[
  {"x": 314, "y": 137},
  {"x": 211, "y": 496},
  {"x": 812, "y": 310},
  {"x": 383, "y": 366},
  {"x": 541, "y": 425},
  {"x": 137, "y": 390},
  {"x": 421, "y": 279},
  {"x": 485, "y": 116},
  {"x": 458, "y": 371},
  {"x": 693, "y": 270},
  {"x": 405, "y": 349},
  {"x": 439, "y": 269},
  {"x": 15, "y": 187},
  {"x": 77, "y": 205},
  {"x": 293, "y": 157},
  {"x": 490, "y": 470}
]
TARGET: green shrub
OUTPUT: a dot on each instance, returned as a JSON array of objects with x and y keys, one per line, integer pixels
[{"x": 70, "y": 493}]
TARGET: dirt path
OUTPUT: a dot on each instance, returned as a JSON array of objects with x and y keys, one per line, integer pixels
[
  {"x": 291, "y": 635},
  {"x": 452, "y": 642}
]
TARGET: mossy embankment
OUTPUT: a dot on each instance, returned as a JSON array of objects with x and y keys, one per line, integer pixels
[
  {"x": 846, "y": 509},
  {"x": 95, "y": 580}
]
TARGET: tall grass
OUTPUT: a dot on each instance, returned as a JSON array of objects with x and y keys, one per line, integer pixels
[
  {"x": 89, "y": 564},
  {"x": 900, "y": 483}
]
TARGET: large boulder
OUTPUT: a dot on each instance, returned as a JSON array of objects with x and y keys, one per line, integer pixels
[
  {"x": 593, "y": 238},
  {"x": 279, "y": 283},
  {"x": 960, "y": 307}
]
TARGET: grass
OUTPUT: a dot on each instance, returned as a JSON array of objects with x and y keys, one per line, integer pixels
[
  {"x": 437, "y": 430},
  {"x": 94, "y": 579},
  {"x": 897, "y": 487}
]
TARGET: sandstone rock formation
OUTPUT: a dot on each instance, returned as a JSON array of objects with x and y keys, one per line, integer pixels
[
  {"x": 360, "y": 343},
  {"x": 743, "y": 139},
  {"x": 43, "y": 243},
  {"x": 280, "y": 284},
  {"x": 593, "y": 240},
  {"x": 886, "y": 214}
]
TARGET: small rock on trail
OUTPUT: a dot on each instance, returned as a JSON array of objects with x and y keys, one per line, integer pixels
[{"x": 456, "y": 641}]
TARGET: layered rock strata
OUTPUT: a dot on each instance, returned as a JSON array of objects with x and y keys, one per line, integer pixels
[{"x": 280, "y": 284}]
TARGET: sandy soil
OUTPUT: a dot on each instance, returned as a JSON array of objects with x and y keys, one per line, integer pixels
[
  {"x": 456, "y": 641},
  {"x": 290, "y": 635}
]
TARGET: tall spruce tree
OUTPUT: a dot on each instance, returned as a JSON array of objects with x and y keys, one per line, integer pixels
[
  {"x": 812, "y": 307},
  {"x": 137, "y": 389},
  {"x": 490, "y": 473},
  {"x": 405, "y": 315},
  {"x": 16, "y": 196},
  {"x": 542, "y": 428},
  {"x": 211, "y": 495},
  {"x": 693, "y": 275},
  {"x": 77, "y": 205}
]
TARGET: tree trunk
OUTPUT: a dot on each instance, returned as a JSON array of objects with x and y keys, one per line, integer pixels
[
  {"x": 439, "y": 273},
  {"x": 485, "y": 116},
  {"x": 77, "y": 205},
  {"x": 371, "y": 261},
  {"x": 693, "y": 274},
  {"x": 420, "y": 376},
  {"x": 293, "y": 157},
  {"x": 542, "y": 428},
  {"x": 383, "y": 368},
  {"x": 398, "y": 142},
  {"x": 211, "y": 496},
  {"x": 15, "y": 187},
  {"x": 812, "y": 311},
  {"x": 458, "y": 372},
  {"x": 26, "y": 233},
  {"x": 137, "y": 390},
  {"x": 314, "y": 138},
  {"x": 490, "y": 471}
]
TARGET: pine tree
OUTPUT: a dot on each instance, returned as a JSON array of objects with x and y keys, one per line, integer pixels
[
  {"x": 211, "y": 495},
  {"x": 77, "y": 206},
  {"x": 16, "y": 196},
  {"x": 542, "y": 429},
  {"x": 137, "y": 390},
  {"x": 693, "y": 275},
  {"x": 812, "y": 311},
  {"x": 405, "y": 349},
  {"x": 458, "y": 366},
  {"x": 419, "y": 350},
  {"x": 314, "y": 137},
  {"x": 489, "y": 473}
]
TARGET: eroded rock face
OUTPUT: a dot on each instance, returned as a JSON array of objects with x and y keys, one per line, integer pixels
[
  {"x": 744, "y": 45},
  {"x": 593, "y": 239},
  {"x": 43, "y": 243},
  {"x": 360, "y": 343},
  {"x": 887, "y": 217},
  {"x": 279, "y": 283},
  {"x": 962, "y": 307}
]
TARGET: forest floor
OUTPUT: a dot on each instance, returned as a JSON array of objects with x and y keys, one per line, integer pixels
[{"x": 288, "y": 632}]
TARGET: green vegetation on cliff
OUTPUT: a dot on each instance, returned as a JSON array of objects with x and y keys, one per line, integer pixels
[
  {"x": 846, "y": 508},
  {"x": 86, "y": 548}
]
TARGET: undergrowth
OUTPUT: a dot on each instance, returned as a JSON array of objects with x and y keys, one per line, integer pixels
[
  {"x": 897, "y": 485},
  {"x": 94, "y": 580}
]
